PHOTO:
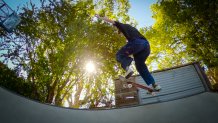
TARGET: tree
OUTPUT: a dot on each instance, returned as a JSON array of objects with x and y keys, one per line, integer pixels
[
  {"x": 184, "y": 31},
  {"x": 10, "y": 80},
  {"x": 53, "y": 43},
  {"x": 186, "y": 28}
]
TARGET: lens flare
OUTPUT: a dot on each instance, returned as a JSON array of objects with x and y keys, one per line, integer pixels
[{"x": 90, "y": 67}]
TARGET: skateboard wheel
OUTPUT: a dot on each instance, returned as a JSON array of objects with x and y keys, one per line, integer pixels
[
  {"x": 124, "y": 85},
  {"x": 153, "y": 93},
  {"x": 129, "y": 85}
]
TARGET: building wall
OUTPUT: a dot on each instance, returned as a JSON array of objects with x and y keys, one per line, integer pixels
[{"x": 176, "y": 83}]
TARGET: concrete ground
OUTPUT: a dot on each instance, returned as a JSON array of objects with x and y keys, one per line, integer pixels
[{"x": 201, "y": 108}]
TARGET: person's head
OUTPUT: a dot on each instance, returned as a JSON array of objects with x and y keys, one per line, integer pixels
[{"x": 118, "y": 30}]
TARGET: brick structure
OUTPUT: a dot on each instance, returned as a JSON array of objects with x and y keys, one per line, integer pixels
[{"x": 125, "y": 96}]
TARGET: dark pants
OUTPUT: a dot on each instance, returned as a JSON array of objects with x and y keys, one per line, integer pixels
[{"x": 140, "y": 49}]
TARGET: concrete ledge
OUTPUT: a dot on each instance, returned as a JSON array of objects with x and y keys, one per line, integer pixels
[{"x": 201, "y": 108}]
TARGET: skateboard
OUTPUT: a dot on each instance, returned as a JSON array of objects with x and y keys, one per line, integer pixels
[{"x": 129, "y": 84}]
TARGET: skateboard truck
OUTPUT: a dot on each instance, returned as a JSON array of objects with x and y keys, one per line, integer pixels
[{"x": 129, "y": 84}]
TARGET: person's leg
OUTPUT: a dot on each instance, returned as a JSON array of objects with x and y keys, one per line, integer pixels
[
  {"x": 142, "y": 68},
  {"x": 130, "y": 48},
  {"x": 122, "y": 56}
]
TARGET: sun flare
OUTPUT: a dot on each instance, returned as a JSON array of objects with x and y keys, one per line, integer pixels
[{"x": 90, "y": 67}]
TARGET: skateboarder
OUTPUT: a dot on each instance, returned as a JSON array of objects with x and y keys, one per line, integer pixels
[{"x": 138, "y": 46}]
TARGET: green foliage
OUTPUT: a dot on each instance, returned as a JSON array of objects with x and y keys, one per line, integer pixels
[
  {"x": 213, "y": 77},
  {"x": 10, "y": 80},
  {"x": 184, "y": 31},
  {"x": 53, "y": 44}
]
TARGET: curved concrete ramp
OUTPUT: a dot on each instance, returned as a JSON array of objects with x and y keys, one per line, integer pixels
[{"x": 201, "y": 108}]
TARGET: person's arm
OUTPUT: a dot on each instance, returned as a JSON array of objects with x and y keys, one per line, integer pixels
[{"x": 105, "y": 19}]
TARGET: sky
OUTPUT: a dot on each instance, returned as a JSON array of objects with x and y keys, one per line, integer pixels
[{"x": 140, "y": 10}]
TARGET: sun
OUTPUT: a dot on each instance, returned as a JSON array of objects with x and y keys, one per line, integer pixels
[{"x": 90, "y": 67}]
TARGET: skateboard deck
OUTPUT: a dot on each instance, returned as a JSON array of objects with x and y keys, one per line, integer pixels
[{"x": 129, "y": 84}]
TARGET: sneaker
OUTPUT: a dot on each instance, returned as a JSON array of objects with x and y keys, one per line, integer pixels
[
  {"x": 129, "y": 72},
  {"x": 157, "y": 87}
]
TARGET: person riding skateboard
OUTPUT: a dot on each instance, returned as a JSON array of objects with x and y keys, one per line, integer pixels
[{"x": 138, "y": 46}]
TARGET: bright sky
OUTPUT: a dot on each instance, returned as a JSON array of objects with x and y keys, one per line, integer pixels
[{"x": 140, "y": 10}]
